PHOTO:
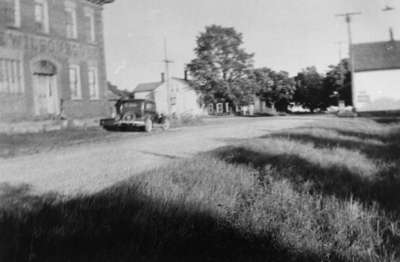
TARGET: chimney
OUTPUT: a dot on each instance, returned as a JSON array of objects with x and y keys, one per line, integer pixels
[
  {"x": 391, "y": 34},
  {"x": 186, "y": 75},
  {"x": 162, "y": 77}
]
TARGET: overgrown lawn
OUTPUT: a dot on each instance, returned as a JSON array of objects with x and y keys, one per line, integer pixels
[{"x": 325, "y": 192}]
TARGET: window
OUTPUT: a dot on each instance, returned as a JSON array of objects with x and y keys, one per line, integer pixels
[
  {"x": 91, "y": 27},
  {"x": 12, "y": 13},
  {"x": 227, "y": 108},
  {"x": 17, "y": 13},
  {"x": 75, "y": 82},
  {"x": 71, "y": 25},
  {"x": 150, "y": 107},
  {"x": 41, "y": 16},
  {"x": 220, "y": 108},
  {"x": 210, "y": 108},
  {"x": 93, "y": 83},
  {"x": 10, "y": 76},
  {"x": 173, "y": 101}
]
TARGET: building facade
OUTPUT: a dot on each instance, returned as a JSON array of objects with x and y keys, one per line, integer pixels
[
  {"x": 175, "y": 97},
  {"x": 52, "y": 60},
  {"x": 376, "y": 76}
]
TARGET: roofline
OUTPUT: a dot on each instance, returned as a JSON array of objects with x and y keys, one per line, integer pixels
[
  {"x": 377, "y": 42},
  {"x": 148, "y": 83},
  {"x": 376, "y": 69},
  {"x": 100, "y": 2},
  {"x": 142, "y": 91}
]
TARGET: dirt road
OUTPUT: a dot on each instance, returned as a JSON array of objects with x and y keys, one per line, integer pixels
[{"x": 92, "y": 167}]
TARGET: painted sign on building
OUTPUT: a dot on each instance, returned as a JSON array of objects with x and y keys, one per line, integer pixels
[{"x": 40, "y": 44}]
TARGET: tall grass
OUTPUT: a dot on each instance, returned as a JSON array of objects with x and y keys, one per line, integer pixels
[{"x": 279, "y": 198}]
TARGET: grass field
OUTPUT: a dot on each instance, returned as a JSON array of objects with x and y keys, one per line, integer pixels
[
  {"x": 12, "y": 145},
  {"x": 329, "y": 191}
]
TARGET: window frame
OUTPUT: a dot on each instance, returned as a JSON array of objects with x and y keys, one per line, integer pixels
[
  {"x": 78, "y": 94},
  {"x": 210, "y": 108},
  {"x": 94, "y": 70},
  {"x": 91, "y": 35},
  {"x": 17, "y": 13},
  {"x": 11, "y": 76},
  {"x": 219, "y": 108},
  {"x": 71, "y": 29},
  {"x": 44, "y": 22}
]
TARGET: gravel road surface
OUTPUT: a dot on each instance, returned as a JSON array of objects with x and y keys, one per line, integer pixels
[{"x": 88, "y": 168}]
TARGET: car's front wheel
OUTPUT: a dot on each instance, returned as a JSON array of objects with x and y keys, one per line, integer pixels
[{"x": 148, "y": 125}]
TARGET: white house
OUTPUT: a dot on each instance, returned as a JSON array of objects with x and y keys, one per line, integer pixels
[
  {"x": 376, "y": 76},
  {"x": 175, "y": 96}
]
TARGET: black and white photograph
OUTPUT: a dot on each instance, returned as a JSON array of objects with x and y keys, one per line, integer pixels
[{"x": 200, "y": 130}]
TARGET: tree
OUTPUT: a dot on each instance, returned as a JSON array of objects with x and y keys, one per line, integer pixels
[
  {"x": 338, "y": 79},
  {"x": 221, "y": 67},
  {"x": 275, "y": 88},
  {"x": 310, "y": 89}
]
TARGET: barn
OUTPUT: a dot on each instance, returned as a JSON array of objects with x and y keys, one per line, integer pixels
[
  {"x": 376, "y": 86},
  {"x": 52, "y": 61}
]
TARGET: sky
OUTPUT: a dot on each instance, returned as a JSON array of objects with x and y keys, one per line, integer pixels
[{"x": 284, "y": 35}]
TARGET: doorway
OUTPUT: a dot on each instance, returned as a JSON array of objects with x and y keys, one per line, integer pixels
[{"x": 45, "y": 89}]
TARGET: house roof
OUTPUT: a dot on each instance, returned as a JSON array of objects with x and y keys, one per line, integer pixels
[
  {"x": 181, "y": 80},
  {"x": 147, "y": 87},
  {"x": 376, "y": 56},
  {"x": 113, "y": 93}
]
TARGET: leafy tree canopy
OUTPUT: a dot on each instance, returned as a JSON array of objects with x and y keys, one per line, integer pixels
[
  {"x": 275, "y": 88},
  {"x": 221, "y": 67},
  {"x": 338, "y": 79},
  {"x": 309, "y": 89}
]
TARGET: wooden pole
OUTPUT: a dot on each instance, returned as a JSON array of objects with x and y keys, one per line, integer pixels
[{"x": 348, "y": 19}]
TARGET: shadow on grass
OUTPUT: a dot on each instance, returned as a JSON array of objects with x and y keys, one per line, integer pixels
[
  {"x": 168, "y": 156},
  {"x": 387, "y": 120},
  {"x": 123, "y": 224},
  {"x": 389, "y": 150},
  {"x": 334, "y": 180}
]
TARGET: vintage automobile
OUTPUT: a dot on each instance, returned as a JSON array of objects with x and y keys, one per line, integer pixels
[{"x": 131, "y": 113}]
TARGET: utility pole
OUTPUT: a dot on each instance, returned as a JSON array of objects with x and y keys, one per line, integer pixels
[
  {"x": 167, "y": 62},
  {"x": 348, "y": 18},
  {"x": 388, "y": 7}
]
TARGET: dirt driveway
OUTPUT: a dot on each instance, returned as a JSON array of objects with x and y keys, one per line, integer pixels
[{"x": 92, "y": 167}]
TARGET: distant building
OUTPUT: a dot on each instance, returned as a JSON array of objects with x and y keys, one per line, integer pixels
[
  {"x": 52, "y": 59},
  {"x": 377, "y": 76},
  {"x": 261, "y": 106},
  {"x": 179, "y": 100}
]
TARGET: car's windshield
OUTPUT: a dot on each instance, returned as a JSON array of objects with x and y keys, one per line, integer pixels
[{"x": 131, "y": 106}]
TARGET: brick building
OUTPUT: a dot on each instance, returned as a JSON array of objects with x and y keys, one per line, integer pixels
[{"x": 52, "y": 59}]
